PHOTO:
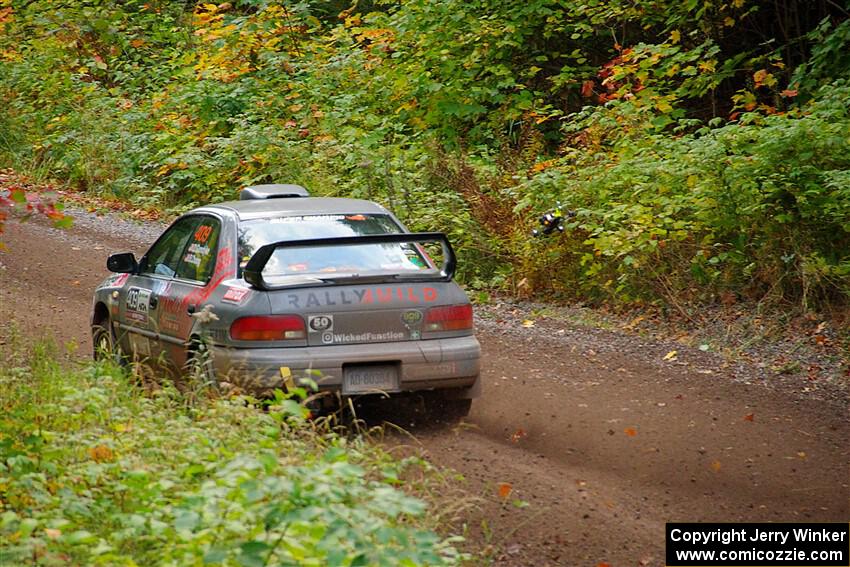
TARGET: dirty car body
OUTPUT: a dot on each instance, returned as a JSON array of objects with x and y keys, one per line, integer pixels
[{"x": 282, "y": 289}]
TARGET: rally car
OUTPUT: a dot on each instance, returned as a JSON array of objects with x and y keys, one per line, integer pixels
[{"x": 280, "y": 289}]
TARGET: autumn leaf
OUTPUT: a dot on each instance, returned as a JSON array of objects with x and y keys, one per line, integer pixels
[
  {"x": 763, "y": 78},
  {"x": 671, "y": 356},
  {"x": 101, "y": 453},
  {"x": 630, "y": 431},
  {"x": 587, "y": 89},
  {"x": 675, "y": 36},
  {"x": 100, "y": 63},
  {"x": 528, "y": 323},
  {"x": 517, "y": 435},
  {"x": 505, "y": 489},
  {"x": 749, "y": 417},
  {"x": 715, "y": 466},
  {"x": 789, "y": 93}
]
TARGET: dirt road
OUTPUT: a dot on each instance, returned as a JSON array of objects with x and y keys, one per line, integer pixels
[{"x": 600, "y": 435}]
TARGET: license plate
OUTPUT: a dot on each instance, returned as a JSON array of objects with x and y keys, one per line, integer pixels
[{"x": 369, "y": 379}]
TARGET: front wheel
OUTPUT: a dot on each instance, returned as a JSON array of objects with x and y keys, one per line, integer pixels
[{"x": 104, "y": 344}]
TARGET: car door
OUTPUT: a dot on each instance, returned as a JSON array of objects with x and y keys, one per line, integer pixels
[
  {"x": 139, "y": 301},
  {"x": 189, "y": 288}
]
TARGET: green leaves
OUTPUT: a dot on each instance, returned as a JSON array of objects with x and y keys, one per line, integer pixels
[{"x": 199, "y": 487}]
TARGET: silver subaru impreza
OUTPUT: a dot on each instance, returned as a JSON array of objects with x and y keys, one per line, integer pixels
[{"x": 281, "y": 289}]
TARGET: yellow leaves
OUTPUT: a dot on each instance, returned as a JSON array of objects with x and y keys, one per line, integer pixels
[
  {"x": 728, "y": 21},
  {"x": 528, "y": 323},
  {"x": 715, "y": 466},
  {"x": 375, "y": 36},
  {"x": 708, "y": 66},
  {"x": 738, "y": 3},
  {"x": 409, "y": 105},
  {"x": 101, "y": 454},
  {"x": 763, "y": 78},
  {"x": 745, "y": 100},
  {"x": 165, "y": 169},
  {"x": 543, "y": 165},
  {"x": 671, "y": 356},
  {"x": 634, "y": 323},
  {"x": 353, "y": 21},
  {"x": 675, "y": 36},
  {"x": 9, "y": 55},
  {"x": 663, "y": 106},
  {"x": 630, "y": 431}
]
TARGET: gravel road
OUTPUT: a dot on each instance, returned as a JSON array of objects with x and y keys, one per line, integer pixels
[{"x": 601, "y": 436}]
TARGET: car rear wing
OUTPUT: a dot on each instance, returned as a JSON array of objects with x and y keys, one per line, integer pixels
[{"x": 253, "y": 270}]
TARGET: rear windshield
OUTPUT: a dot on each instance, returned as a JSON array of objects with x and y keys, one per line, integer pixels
[{"x": 363, "y": 258}]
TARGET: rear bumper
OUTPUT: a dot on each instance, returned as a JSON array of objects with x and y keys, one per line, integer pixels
[{"x": 452, "y": 363}]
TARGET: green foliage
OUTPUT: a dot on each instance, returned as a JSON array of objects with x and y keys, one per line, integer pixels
[
  {"x": 670, "y": 124},
  {"x": 93, "y": 472},
  {"x": 758, "y": 207}
]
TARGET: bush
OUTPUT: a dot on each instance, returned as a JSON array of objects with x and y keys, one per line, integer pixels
[{"x": 93, "y": 472}]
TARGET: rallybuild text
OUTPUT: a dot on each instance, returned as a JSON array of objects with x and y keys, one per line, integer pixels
[{"x": 800, "y": 544}]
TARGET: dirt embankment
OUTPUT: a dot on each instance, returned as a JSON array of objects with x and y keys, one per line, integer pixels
[{"x": 585, "y": 441}]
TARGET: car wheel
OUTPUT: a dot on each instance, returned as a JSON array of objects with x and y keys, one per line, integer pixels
[{"x": 104, "y": 344}]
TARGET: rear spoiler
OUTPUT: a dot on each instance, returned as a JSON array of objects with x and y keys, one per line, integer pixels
[{"x": 253, "y": 270}]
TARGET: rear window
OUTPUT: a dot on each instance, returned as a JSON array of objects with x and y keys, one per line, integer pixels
[{"x": 328, "y": 260}]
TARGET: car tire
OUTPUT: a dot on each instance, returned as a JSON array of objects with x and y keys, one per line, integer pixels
[{"x": 103, "y": 343}]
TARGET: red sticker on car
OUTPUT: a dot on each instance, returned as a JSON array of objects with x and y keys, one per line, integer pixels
[{"x": 235, "y": 294}]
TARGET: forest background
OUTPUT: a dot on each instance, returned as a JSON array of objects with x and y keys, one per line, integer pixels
[{"x": 704, "y": 144}]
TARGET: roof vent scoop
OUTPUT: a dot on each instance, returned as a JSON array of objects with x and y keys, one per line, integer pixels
[{"x": 273, "y": 191}]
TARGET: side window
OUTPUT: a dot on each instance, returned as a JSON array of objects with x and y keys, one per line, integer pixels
[
  {"x": 198, "y": 260},
  {"x": 163, "y": 258}
]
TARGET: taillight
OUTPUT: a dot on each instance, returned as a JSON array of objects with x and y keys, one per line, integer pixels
[
  {"x": 269, "y": 328},
  {"x": 450, "y": 318}
]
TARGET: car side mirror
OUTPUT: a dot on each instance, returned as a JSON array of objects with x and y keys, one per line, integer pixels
[{"x": 123, "y": 263}]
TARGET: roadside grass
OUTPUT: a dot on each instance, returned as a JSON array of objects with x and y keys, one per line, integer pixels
[{"x": 96, "y": 471}]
